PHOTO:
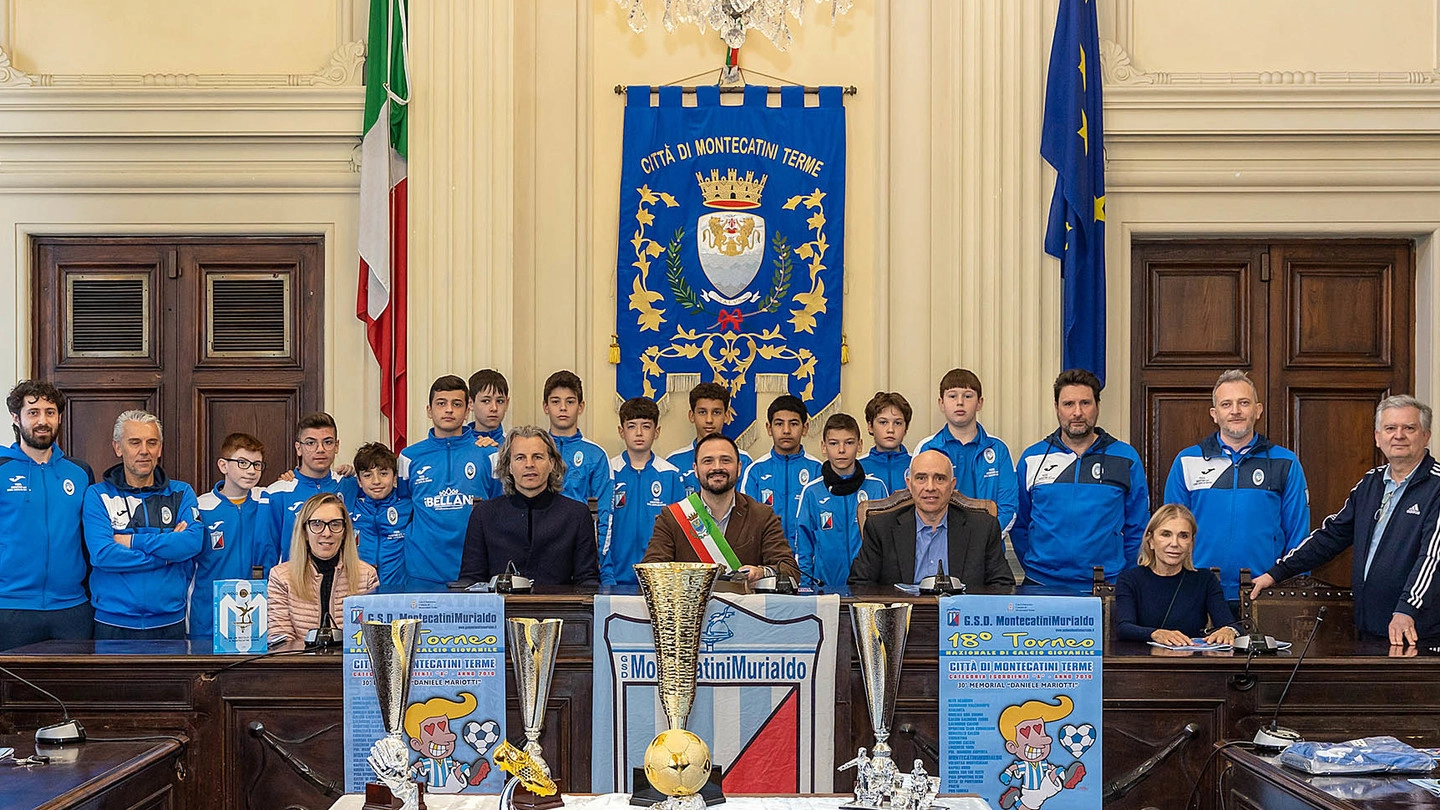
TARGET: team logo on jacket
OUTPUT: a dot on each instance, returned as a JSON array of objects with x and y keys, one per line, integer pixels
[
  {"x": 655, "y": 488},
  {"x": 578, "y": 458},
  {"x": 470, "y": 470},
  {"x": 166, "y": 515},
  {"x": 392, "y": 515},
  {"x": 420, "y": 476},
  {"x": 447, "y": 499},
  {"x": 69, "y": 487},
  {"x": 989, "y": 455},
  {"x": 827, "y": 520},
  {"x": 767, "y": 496},
  {"x": 620, "y": 496},
  {"x": 862, "y": 496},
  {"x": 1258, "y": 477},
  {"x": 804, "y": 477},
  {"x": 1096, "y": 470},
  {"x": 217, "y": 540},
  {"x": 1413, "y": 510},
  {"x": 17, "y": 484}
]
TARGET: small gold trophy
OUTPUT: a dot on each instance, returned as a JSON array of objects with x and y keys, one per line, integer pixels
[{"x": 677, "y": 762}]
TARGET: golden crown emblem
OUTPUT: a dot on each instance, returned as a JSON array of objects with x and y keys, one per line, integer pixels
[{"x": 731, "y": 191}]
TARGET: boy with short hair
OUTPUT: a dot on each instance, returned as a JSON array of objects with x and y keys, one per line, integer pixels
[
  {"x": 827, "y": 529},
  {"x": 489, "y": 400},
  {"x": 709, "y": 411},
  {"x": 776, "y": 478},
  {"x": 381, "y": 514},
  {"x": 317, "y": 444},
  {"x": 644, "y": 485},
  {"x": 887, "y": 415},
  {"x": 983, "y": 468},
  {"x": 239, "y": 531},
  {"x": 587, "y": 468},
  {"x": 442, "y": 475}
]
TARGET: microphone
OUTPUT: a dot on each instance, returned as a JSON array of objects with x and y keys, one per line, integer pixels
[
  {"x": 1128, "y": 781},
  {"x": 1277, "y": 737},
  {"x": 925, "y": 745},
  {"x": 940, "y": 582},
  {"x": 66, "y": 732},
  {"x": 309, "y": 774}
]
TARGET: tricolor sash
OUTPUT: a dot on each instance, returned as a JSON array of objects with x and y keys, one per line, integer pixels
[{"x": 703, "y": 532}]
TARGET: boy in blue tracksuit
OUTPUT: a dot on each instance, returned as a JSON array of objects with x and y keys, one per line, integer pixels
[
  {"x": 1249, "y": 496},
  {"x": 887, "y": 416},
  {"x": 42, "y": 552},
  {"x": 381, "y": 514},
  {"x": 827, "y": 527},
  {"x": 239, "y": 531},
  {"x": 443, "y": 475},
  {"x": 317, "y": 445},
  {"x": 982, "y": 462},
  {"x": 776, "y": 478},
  {"x": 489, "y": 401},
  {"x": 143, "y": 531},
  {"x": 709, "y": 412},
  {"x": 587, "y": 468},
  {"x": 1083, "y": 497},
  {"x": 644, "y": 485}
]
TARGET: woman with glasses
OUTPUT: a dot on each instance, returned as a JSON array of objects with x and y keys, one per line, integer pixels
[{"x": 307, "y": 590}]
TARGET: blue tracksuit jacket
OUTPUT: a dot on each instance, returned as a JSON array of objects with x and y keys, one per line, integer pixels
[
  {"x": 42, "y": 550},
  {"x": 145, "y": 586},
  {"x": 587, "y": 475},
  {"x": 890, "y": 466},
  {"x": 381, "y": 527},
  {"x": 236, "y": 538},
  {"x": 1250, "y": 506},
  {"x": 1077, "y": 513},
  {"x": 684, "y": 461},
  {"x": 827, "y": 531},
  {"x": 982, "y": 469},
  {"x": 640, "y": 495},
  {"x": 442, "y": 476},
  {"x": 286, "y": 498},
  {"x": 776, "y": 480}
]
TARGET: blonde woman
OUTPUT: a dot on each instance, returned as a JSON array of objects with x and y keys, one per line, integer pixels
[
  {"x": 324, "y": 568},
  {"x": 1165, "y": 599}
]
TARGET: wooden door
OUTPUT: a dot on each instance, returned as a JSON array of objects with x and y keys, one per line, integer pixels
[
  {"x": 1324, "y": 327},
  {"x": 211, "y": 334}
]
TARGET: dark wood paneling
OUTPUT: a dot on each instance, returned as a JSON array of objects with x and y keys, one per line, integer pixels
[
  {"x": 1174, "y": 415},
  {"x": 1317, "y": 291},
  {"x": 88, "y": 430},
  {"x": 268, "y": 415},
  {"x": 1210, "y": 328}
]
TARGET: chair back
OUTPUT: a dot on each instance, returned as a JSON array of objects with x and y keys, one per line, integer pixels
[
  {"x": 902, "y": 499},
  {"x": 1287, "y": 610}
]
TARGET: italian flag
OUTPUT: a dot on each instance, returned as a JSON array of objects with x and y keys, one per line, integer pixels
[{"x": 383, "y": 190}]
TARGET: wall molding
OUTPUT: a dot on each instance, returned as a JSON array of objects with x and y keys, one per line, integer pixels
[
  {"x": 1120, "y": 70},
  {"x": 345, "y": 68}
]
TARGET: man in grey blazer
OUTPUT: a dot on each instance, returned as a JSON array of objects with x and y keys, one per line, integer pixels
[{"x": 902, "y": 545}]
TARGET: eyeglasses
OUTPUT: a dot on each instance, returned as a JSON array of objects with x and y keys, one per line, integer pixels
[
  {"x": 245, "y": 463},
  {"x": 323, "y": 526},
  {"x": 328, "y": 444}
]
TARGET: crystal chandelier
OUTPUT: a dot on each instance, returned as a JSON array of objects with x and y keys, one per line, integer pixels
[{"x": 732, "y": 18}]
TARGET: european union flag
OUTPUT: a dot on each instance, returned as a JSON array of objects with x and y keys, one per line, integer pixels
[{"x": 1072, "y": 140}]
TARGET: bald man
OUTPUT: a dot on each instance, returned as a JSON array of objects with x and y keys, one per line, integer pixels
[{"x": 904, "y": 545}]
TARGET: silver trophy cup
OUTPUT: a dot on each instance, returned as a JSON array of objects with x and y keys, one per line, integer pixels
[
  {"x": 880, "y": 632},
  {"x": 391, "y": 647},
  {"x": 534, "y": 645}
]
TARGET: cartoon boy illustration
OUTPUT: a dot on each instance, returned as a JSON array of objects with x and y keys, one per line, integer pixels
[
  {"x": 428, "y": 727},
  {"x": 1032, "y": 779}
]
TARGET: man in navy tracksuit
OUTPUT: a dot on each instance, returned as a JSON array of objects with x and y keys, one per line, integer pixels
[
  {"x": 239, "y": 531},
  {"x": 887, "y": 416},
  {"x": 1248, "y": 495},
  {"x": 1392, "y": 519},
  {"x": 587, "y": 468},
  {"x": 1083, "y": 497},
  {"x": 444, "y": 474},
  {"x": 982, "y": 462},
  {"x": 143, "y": 531},
  {"x": 317, "y": 445},
  {"x": 776, "y": 478},
  {"x": 42, "y": 491},
  {"x": 644, "y": 484}
]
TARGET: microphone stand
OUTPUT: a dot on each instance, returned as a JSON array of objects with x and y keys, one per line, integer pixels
[
  {"x": 1276, "y": 737},
  {"x": 66, "y": 732}
]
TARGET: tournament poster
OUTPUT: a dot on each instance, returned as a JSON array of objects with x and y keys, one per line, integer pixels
[
  {"x": 455, "y": 717},
  {"x": 1021, "y": 700},
  {"x": 765, "y": 696}
]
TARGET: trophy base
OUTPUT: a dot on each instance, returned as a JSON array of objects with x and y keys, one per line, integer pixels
[
  {"x": 379, "y": 797},
  {"x": 646, "y": 795},
  {"x": 523, "y": 799}
]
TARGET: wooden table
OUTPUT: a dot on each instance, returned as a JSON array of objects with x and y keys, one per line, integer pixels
[
  {"x": 1255, "y": 781},
  {"x": 96, "y": 775}
]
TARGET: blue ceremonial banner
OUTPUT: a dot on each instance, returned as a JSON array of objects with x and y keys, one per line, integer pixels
[
  {"x": 765, "y": 696},
  {"x": 456, "y": 714},
  {"x": 732, "y": 235},
  {"x": 1072, "y": 139},
  {"x": 1021, "y": 700}
]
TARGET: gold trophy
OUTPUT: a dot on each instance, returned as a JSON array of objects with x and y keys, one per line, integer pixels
[
  {"x": 391, "y": 647},
  {"x": 534, "y": 645},
  {"x": 677, "y": 762}
]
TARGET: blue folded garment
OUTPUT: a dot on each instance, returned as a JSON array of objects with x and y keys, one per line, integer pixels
[{"x": 1368, "y": 755}]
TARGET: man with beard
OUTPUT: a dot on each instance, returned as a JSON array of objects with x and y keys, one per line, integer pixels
[
  {"x": 1083, "y": 497},
  {"x": 721, "y": 525},
  {"x": 42, "y": 595},
  {"x": 1248, "y": 494}
]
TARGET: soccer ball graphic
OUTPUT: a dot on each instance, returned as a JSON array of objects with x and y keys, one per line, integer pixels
[
  {"x": 677, "y": 763},
  {"x": 1077, "y": 739},
  {"x": 481, "y": 736}
]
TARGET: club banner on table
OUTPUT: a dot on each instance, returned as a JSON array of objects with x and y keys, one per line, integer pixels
[
  {"x": 732, "y": 235},
  {"x": 1020, "y": 700},
  {"x": 456, "y": 713},
  {"x": 242, "y": 618},
  {"x": 765, "y": 700}
]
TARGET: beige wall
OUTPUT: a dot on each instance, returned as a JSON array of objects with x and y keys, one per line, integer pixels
[{"x": 1293, "y": 118}]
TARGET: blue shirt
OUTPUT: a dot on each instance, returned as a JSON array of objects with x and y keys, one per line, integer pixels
[
  {"x": 640, "y": 496},
  {"x": 442, "y": 476},
  {"x": 776, "y": 479},
  {"x": 890, "y": 466},
  {"x": 237, "y": 538},
  {"x": 1393, "y": 490},
  {"x": 827, "y": 531},
  {"x": 931, "y": 546},
  {"x": 587, "y": 475},
  {"x": 982, "y": 469}
]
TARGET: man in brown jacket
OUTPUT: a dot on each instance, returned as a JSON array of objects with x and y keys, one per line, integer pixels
[{"x": 751, "y": 530}]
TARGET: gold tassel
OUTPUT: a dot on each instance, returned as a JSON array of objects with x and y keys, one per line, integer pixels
[
  {"x": 614, "y": 350},
  {"x": 844, "y": 348}
]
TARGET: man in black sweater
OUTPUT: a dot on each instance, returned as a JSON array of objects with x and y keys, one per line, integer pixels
[{"x": 550, "y": 538}]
